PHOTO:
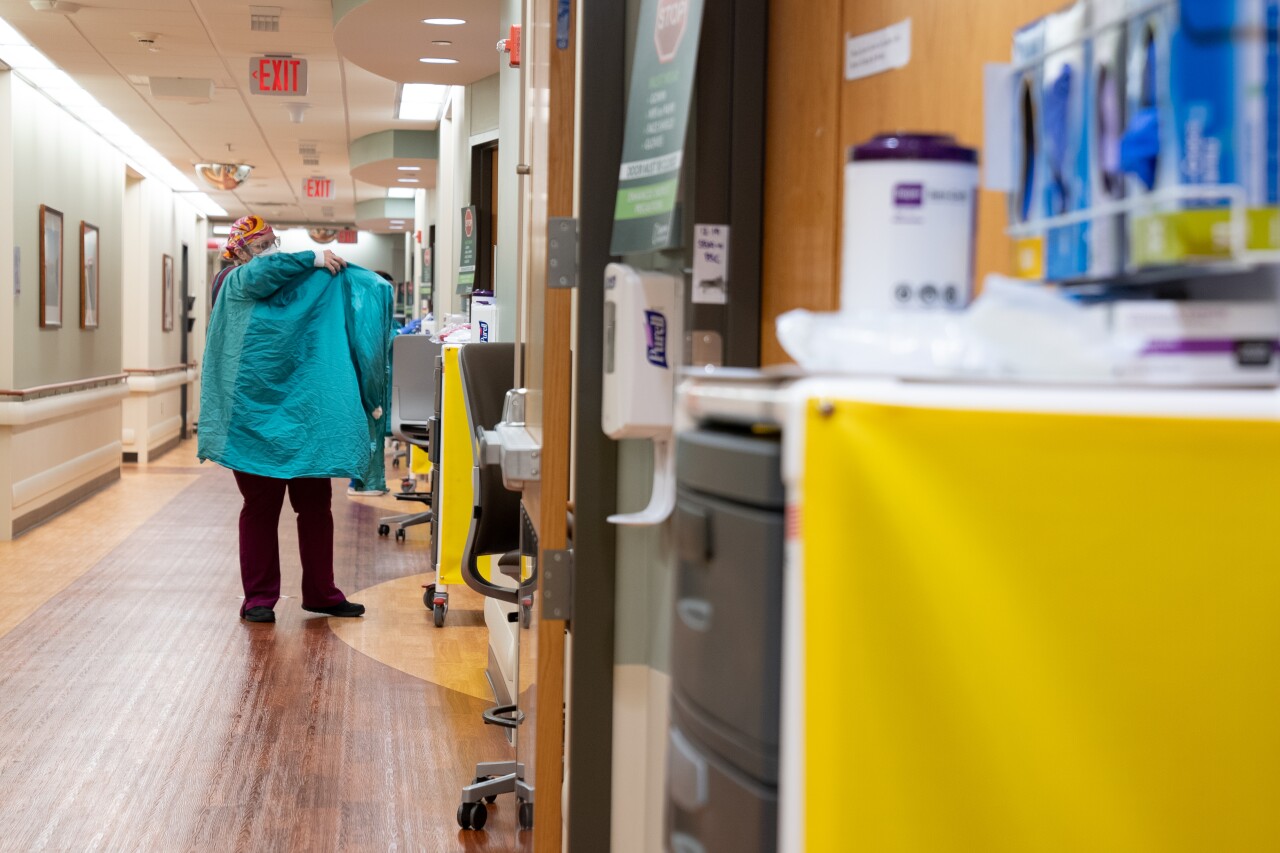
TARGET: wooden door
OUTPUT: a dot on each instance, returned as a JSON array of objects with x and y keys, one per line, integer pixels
[{"x": 548, "y": 151}]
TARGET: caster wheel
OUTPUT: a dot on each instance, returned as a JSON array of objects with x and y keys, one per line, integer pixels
[
  {"x": 428, "y": 593},
  {"x": 384, "y": 529},
  {"x": 472, "y": 815},
  {"x": 400, "y": 535},
  {"x": 439, "y": 610},
  {"x": 406, "y": 485},
  {"x": 395, "y": 463},
  {"x": 492, "y": 798},
  {"x": 526, "y": 815}
]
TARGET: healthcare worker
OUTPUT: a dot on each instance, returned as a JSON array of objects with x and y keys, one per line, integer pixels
[{"x": 293, "y": 383}]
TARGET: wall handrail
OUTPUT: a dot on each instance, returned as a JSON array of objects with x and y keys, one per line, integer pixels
[{"x": 70, "y": 387}]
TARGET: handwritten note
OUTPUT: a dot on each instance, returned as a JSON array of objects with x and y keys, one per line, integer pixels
[
  {"x": 711, "y": 264},
  {"x": 882, "y": 50}
]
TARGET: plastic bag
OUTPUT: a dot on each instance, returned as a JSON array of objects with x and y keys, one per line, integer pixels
[{"x": 1014, "y": 330}]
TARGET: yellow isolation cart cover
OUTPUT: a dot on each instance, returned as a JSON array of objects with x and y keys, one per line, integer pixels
[
  {"x": 454, "y": 502},
  {"x": 1039, "y": 632}
]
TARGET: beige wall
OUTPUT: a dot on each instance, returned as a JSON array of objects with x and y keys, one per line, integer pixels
[
  {"x": 57, "y": 162},
  {"x": 54, "y": 449}
]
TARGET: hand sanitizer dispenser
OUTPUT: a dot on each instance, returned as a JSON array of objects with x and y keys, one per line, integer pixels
[{"x": 642, "y": 334}]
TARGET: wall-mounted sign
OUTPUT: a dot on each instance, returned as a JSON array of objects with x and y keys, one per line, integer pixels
[
  {"x": 710, "y": 264},
  {"x": 348, "y": 235},
  {"x": 467, "y": 255},
  {"x": 322, "y": 188},
  {"x": 662, "y": 72},
  {"x": 426, "y": 265},
  {"x": 277, "y": 75}
]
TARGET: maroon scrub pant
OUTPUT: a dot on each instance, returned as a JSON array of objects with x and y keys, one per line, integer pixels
[{"x": 260, "y": 546}]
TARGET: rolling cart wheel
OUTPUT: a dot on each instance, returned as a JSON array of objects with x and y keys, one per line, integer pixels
[
  {"x": 492, "y": 798},
  {"x": 407, "y": 484},
  {"x": 526, "y": 815},
  {"x": 395, "y": 462},
  {"x": 439, "y": 610},
  {"x": 384, "y": 529},
  {"x": 428, "y": 593},
  {"x": 472, "y": 815},
  {"x": 400, "y": 535}
]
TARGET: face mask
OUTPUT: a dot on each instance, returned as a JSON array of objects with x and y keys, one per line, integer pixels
[{"x": 270, "y": 250}]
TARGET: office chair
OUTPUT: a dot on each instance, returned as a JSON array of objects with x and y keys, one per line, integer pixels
[
  {"x": 486, "y": 371},
  {"x": 413, "y": 403}
]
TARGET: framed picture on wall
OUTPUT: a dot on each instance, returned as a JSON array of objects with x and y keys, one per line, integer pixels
[
  {"x": 166, "y": 284},
  {"x": 88, "y": 276},
  {"x": 50, "y": 267}
]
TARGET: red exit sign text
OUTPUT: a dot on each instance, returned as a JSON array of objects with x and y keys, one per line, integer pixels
[
  {"x": 277, "y": 75},
  {"x": 318, "y": 188}
]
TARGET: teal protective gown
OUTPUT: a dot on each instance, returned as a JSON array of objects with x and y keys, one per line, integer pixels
[{"x": 296, "y": 369}]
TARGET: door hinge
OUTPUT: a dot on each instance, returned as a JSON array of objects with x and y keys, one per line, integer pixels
[
  {"x": 557, "y": 584},
  {"x": 562, "y": 252}
]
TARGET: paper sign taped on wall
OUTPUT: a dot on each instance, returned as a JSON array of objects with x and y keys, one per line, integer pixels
[{"x": 882, "y": 50}]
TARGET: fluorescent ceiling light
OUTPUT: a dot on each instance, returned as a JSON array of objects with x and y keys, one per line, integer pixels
[
  {"x": 421, "y": 101},
  {"x": 39, "y": 72},
  {"x": 438, "y": 60},
  {"x": 409, "y": 168},
  {"x": 400, "y": 192},
  {"x": 395, "y": 221},
  {"x": 407, "y": 180},
  {"x": 444, "y": 22},
  {"x": 49, "y": 79},
  {"x": 24, "y": 57},
  {"x": 224, "y": 230}
]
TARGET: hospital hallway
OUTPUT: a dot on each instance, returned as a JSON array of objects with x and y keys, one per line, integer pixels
[{"x": 137, "y": 712}]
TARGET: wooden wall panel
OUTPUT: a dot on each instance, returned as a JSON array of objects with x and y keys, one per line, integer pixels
[
  {"x": 940, "y": 90},
  {"x": 802, "y": 164}
]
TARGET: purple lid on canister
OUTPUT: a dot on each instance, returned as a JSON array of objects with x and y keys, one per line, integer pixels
[{"x": 913, "y": 146}]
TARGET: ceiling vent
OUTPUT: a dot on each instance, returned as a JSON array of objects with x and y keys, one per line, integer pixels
[
  {"x": 326, "y": 212},
  {"x": 308, "y": 149},
  {"x": 193, "y": 90},
  {"x": 264, "y": 19},
  {"x": 311, "y": 161}
]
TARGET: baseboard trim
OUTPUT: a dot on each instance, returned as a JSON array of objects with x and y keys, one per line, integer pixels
[{"x": 38, "y": 516}]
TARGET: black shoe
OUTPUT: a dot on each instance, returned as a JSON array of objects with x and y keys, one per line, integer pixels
[
  {"x": 346, "y": 608},
  {"x": 259, "y": 614}
]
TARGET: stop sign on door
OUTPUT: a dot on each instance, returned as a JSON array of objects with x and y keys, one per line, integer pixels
[
  {"x": 468, "y": 222},
  {"x": 668, "y": 29}
]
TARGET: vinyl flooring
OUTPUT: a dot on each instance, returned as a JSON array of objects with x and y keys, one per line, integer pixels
[{"x": 138, "y": 712}]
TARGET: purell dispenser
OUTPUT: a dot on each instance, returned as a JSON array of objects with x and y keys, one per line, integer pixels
[{"x": 642, "y": 332}]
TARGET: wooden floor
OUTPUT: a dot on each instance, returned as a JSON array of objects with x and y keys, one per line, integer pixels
[{"x": 138, "y": 712}]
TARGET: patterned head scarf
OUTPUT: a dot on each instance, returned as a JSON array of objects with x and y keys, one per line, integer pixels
[{"x": 246, "y": 230}]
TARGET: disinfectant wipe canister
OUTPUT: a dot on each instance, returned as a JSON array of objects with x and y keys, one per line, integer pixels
[{"x": 910, "y": 210}]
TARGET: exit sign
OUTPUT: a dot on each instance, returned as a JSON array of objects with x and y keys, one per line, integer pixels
[
  {"x": 318, "y": 188},
  {"x": 277, "y": 75},
  {"x": 347, "y": 235}
]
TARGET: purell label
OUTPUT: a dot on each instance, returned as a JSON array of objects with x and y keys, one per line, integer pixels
[
  {"x": 655, "y": 333},
  {"x": 484, "y": 331}
]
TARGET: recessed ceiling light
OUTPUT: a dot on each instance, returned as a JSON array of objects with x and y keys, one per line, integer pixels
[
  {"x": 401, "y": 192},
  {"x": 437, "y": 60},
  {"x": 442, "y": 42},
  {"x": 409, "y": 168},
  {"x": 444, "y": 22},
  {"x": 407, "y": 180}
]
